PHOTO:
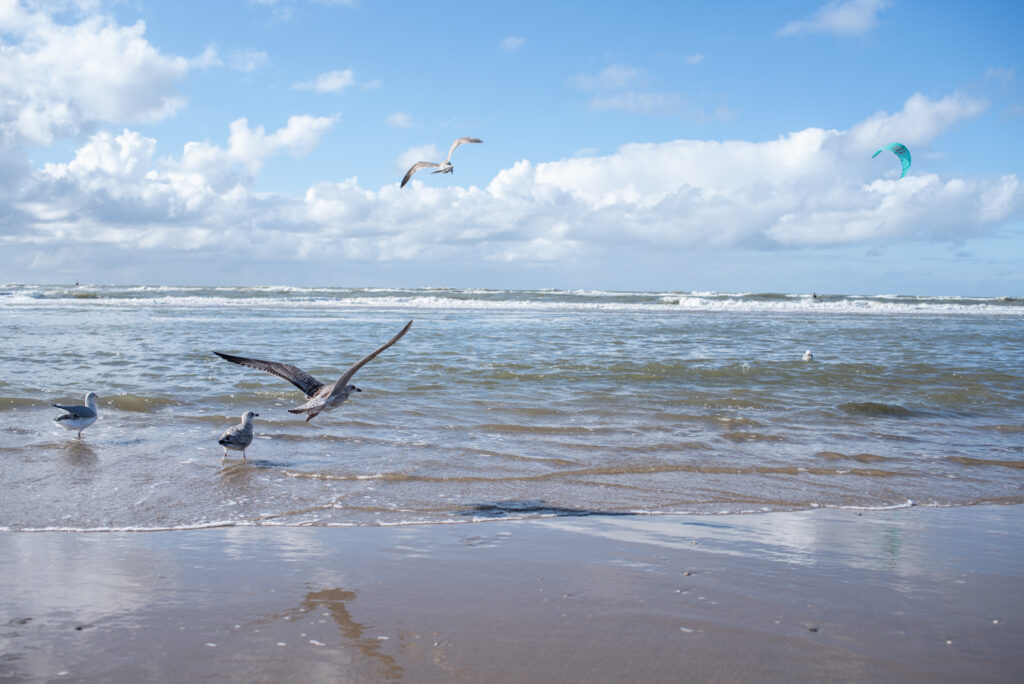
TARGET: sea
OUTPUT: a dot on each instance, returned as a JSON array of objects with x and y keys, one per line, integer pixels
[{"x": 502, "y": 404}]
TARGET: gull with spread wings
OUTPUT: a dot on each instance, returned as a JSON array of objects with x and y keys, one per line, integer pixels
[
  {"x": 443, "y": 167},
  {"x": 319, "y": 397}
]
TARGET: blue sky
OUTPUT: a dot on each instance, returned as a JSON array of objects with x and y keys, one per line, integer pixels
[{"x": 645, "y": 145}]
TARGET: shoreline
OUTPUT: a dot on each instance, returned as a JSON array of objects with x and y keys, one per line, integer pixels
[
  {"x": 919, "y": 594},
  {"x": 504, "y": 515}
]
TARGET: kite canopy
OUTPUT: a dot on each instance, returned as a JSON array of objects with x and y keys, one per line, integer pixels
[{"x": 900, "y": 151}]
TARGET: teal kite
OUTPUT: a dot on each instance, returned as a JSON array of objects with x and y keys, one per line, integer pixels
[{"x": 900, "y": 151}]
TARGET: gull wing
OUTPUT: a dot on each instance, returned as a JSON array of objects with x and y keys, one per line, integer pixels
[
  {"x": 236, "y": 434},
  {"x": 415, "y": 167},
  {"x": 298, "y": 377},
  {"x": 459, "y": 142},
  {"x": 342, "y": 382},
  {"x": 75, "y": 411}
]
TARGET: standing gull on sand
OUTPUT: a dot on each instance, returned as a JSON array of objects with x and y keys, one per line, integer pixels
[
  {"x": 443, "y": 167},
  {"x": 319, "y": 397},
  {"x": 238, "y": 437},
  {"x": 77, "y": 417}
]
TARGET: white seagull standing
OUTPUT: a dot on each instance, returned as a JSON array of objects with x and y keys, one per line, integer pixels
[
  {"x": 319, "y": 397},
  {"x": 443, "y": 167},
  {"x": 238, "y": 437},
  {"x": 77, "y": 417}
]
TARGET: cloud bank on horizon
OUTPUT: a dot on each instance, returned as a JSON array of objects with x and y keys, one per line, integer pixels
[{"x": 813, "y": 187}]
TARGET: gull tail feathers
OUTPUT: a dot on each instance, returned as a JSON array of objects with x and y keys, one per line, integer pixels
[{"x": 312, "y": 410}]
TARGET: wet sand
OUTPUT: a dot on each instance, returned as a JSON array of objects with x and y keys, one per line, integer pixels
[{"x": 920, "y": 594}]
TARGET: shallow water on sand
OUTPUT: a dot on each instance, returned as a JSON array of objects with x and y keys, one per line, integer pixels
[{"x": 503, "y": 404}]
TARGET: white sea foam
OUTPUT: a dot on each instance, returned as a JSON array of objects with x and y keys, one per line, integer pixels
[
  {"x": 197, "y": 298},
  {"x": 507, "y": 516},
  {"x": 133, "y": 528},
  {"x": 893, "y": 507}
]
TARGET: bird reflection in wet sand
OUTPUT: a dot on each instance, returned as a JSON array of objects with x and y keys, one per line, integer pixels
[
  {"x": 80, "y": 454},
  {"x": 353, "y": 633}
]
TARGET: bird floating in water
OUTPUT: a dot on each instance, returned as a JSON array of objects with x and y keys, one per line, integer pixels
[
  {"x": 443, "y": 167},
  {"x": 319, "y": 397},
  {"x": 77, "y": 417},
  {"x": 808, "y": 356},
  {"x": 238, "y": 437}
]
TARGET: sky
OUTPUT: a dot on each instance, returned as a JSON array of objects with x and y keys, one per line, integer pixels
[{"x": 658, "y": 146}]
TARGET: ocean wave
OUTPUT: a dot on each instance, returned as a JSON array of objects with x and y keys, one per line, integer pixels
[
  {"x": 909, "y": 503},
  {"x": 201, "y": 298},
  {"x": 875, "y": 409},
  {"x": 15, "y": 403},
  {"x": 137, "y": 403},
  {"x": 134, "y": 528},
  {"x": 503, "y": 511}
]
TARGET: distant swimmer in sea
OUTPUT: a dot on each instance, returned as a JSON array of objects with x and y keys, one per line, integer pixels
[
  {"x": 238, "y": 437},
  {"x": 808, "y": 356},
  {"x": 77, "y": 417},
  {"x": 319, "y": 397},
  {"x": 814, "y": 295},
  {"x": 443, "y": 167}
]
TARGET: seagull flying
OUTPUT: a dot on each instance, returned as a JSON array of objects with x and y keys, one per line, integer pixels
[
  {"x": 238, "y": 437},
  {"x": 443, "y": 167},
  {"x": 77, "y": 417},
  {"x": 319, "y": 397}
]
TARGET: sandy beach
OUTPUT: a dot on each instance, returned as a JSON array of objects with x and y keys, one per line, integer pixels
[{"x": 919, "y": 594}]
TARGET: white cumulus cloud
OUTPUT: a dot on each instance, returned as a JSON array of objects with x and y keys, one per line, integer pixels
[
  {"x": 117, "y": 177},
  {"x": 58, "y": 78},
  {"x": 920, "y": 120},
  {"x": 840, "y": 17},
  {"x": 810, "y": 188},
  {"x": 329, "y": 82}
]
